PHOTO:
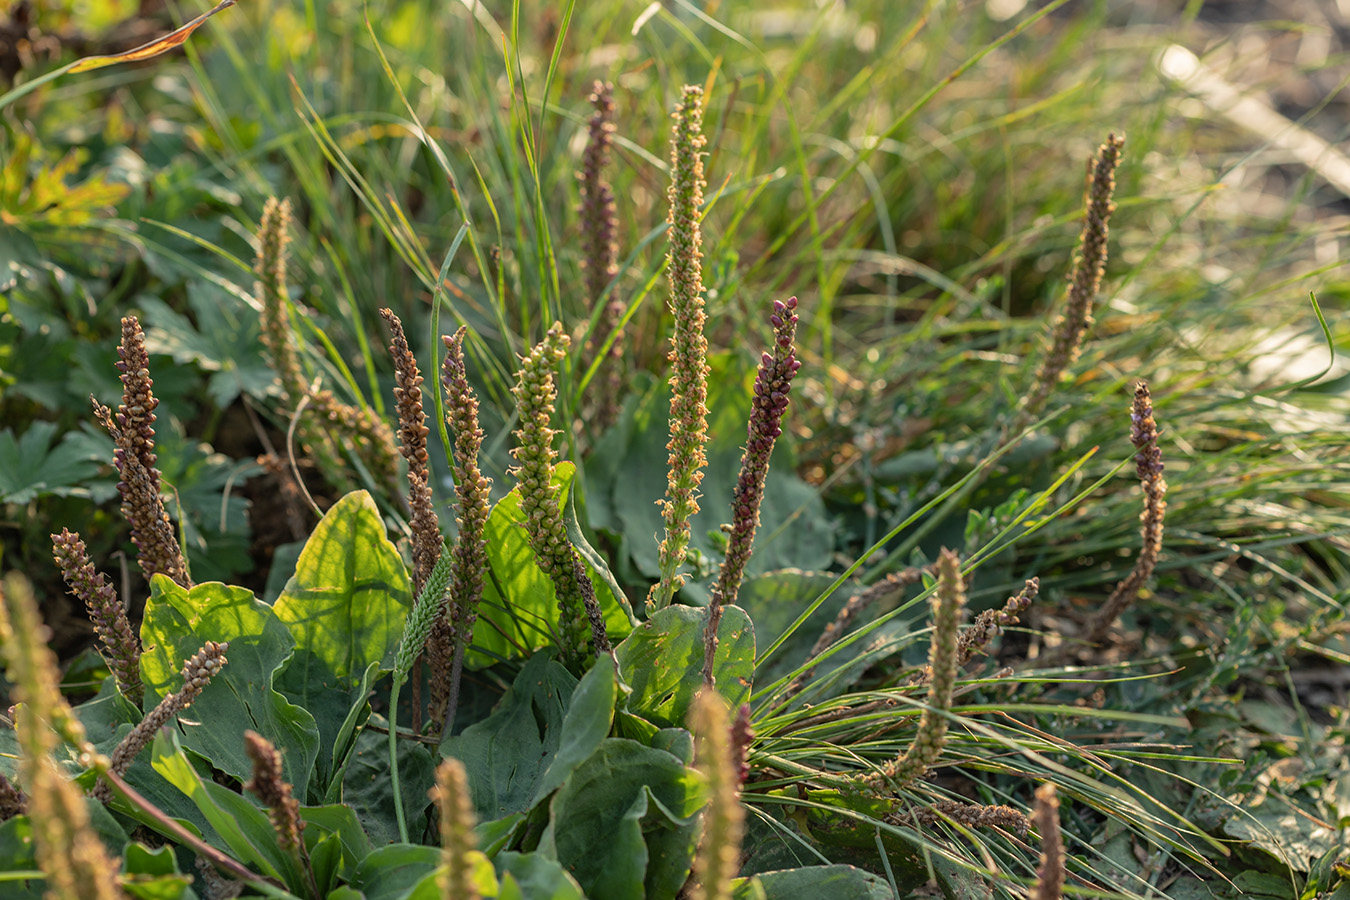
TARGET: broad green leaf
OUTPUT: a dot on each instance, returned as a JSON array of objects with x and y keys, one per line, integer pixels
[
  {"x": 662, "y": 661},
  {"x": 177, "y": 624},
  {"x": 245, "y": 829},
  {"x": 345, "y": 742},
  {"x": 325, "y": 858},
  {"x": 347, "y": 600},
  {"x": 794, "y": 530},
  {"x": 590, "y": 711},
  {"x": 519, "y": 610},
  {"x": 834, "y": 882},
  {"x": 31, "y": 467},
  {"x": 537, "y": 877},
  {"x": 507, "y": 754},
  {"x": 367, "y": 788},
  {"x": 341, "y": 822},
  {"x": 153, "y": 874},
  {"x": 390, "y": 873},
  {"x": 345, "y": 606},
  {"x": 498, "y": 833},
  {"x": 168, "y": 799},
  {"x": 408, "y": 872},
  {"x": 624, "y": 823},
  {"x": 223, "y": 341}
]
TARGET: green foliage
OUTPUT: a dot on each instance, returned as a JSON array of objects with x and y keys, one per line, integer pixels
[
  {"x": 31, "y": 466},
  {"x": 177, "y": 623},
  {"x": 861, "y": 157},
  {"x": 518, "y": 614}
]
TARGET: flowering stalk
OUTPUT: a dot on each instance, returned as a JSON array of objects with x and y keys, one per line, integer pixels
[
  {"x": 270, "y": 291},
  {"x": 742, "y": 735},
  {"x": 69, "y": 852},
  {"x": 766, "y": 417},
  {"x": 268, "y": 785},
  {"x": 133, "y": 433},
  {"x": 1050, "y": 873},
  {"x": 1149, "y": 469},
  {"x": 973, "y": 816},
  {"x": 719, "y": 852},
  {"x": 198, "y": 671},
  {"x": 367, "y": 434},
  {"x": 987, "y": 626},
  {"x": 688, "y": 347},
  {"x": 1088, "y": 267},
  {"x": 452, "y": 633},
  {"x": 412, "y": 439},
  {"x": 534, "y": 456},
  {"x": 947, "y": 603},
  {"x": 121, "y": 647},
  {"x": 451, "y": 795},
  {"x": 599, "y": 245}
]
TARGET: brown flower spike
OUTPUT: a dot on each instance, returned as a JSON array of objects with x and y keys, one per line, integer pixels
[
  {"x": 1085, "y": 280},
  {"x": 688, "y": 346},
  {"x": 412, "y": 440},
  {"x": 273, "y": 790},
  {"x": 133, "y": 433},
  {"x": 453, "y": 632},
  {"x": 600, "y": 249},
  {"x": 1149, "y": 469},
  {"x": 121, "y": 648},
  {"x": 198, "y": 671},
  {"x": 770, "y": 402},
  {"x": 987, "y": 626}
]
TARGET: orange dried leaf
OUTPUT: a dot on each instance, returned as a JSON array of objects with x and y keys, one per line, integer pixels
[{"x": 152, "y": 49}]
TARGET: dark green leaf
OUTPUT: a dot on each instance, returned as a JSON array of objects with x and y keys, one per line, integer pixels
[
  {"x": 624, "y": 822},
  {"x": 519, "y": 609},
  {"x": 506, "y": 754},
  {"x": 245, "y": 829},
  {"x": 31, "y": 467},
  {"x": 590, "y": 711},
  {"x": 834, "y": 882},
  {"x": 177, "y": 624},
  {"x": 367, "y": 788},
  {"x": 346, "y": 603},
  {"x": 538, "y": 877},
  {"x": 224, "y": 341},
  {"x": 662, "y": 661}
]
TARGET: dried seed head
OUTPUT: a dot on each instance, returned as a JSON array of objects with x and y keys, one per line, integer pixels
[{"x": 273, "y": 790}]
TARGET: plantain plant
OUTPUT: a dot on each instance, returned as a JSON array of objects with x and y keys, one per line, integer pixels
[{"x": 265, "y": 745}]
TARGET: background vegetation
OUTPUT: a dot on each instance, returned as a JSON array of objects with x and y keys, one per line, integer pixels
[{"x": 912, "y": 172}]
